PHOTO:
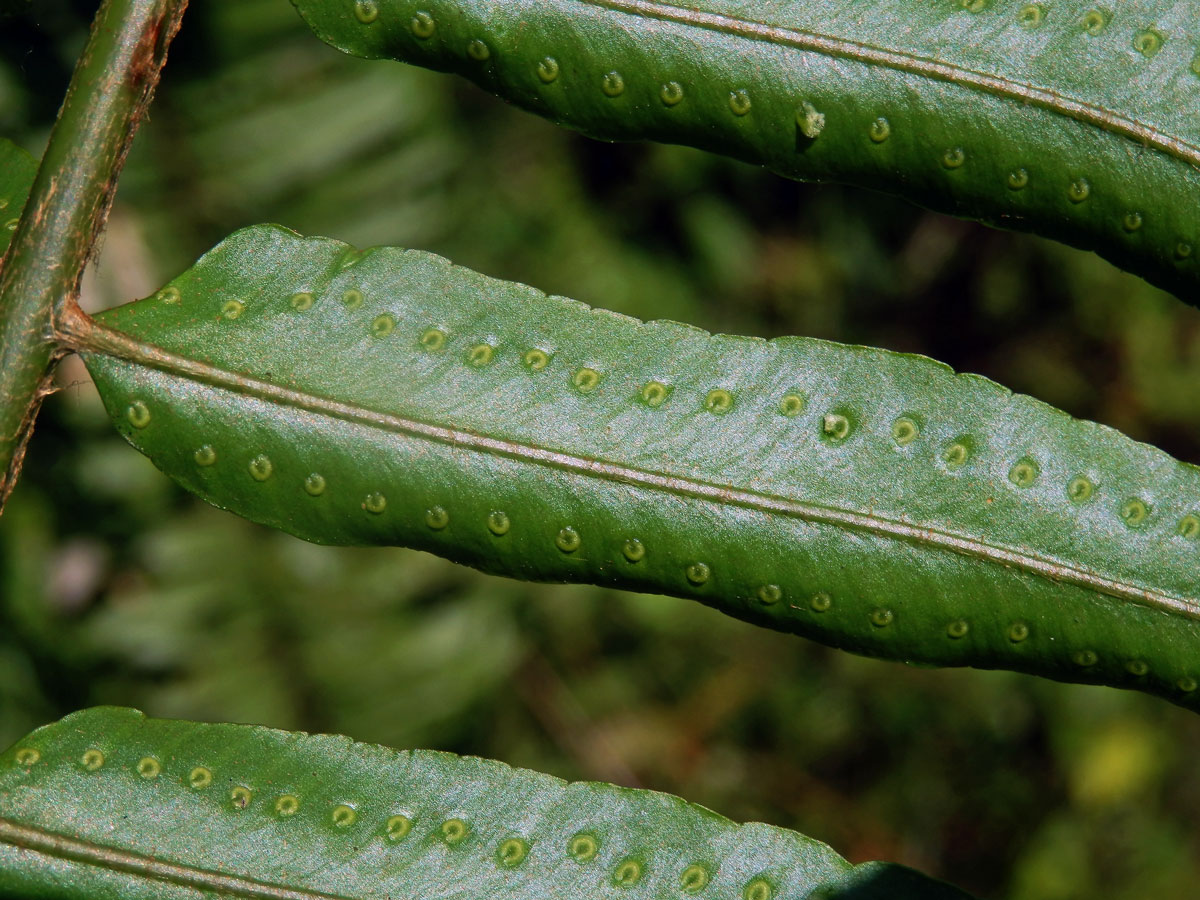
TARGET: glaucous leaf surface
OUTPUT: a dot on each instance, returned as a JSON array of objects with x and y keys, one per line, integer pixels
[
  {"x": 110, "y": 804},
  {"x": 871, "y": 500},
  {"x": 17, "y": 169},
  {"x": 1069, "y": 119}
]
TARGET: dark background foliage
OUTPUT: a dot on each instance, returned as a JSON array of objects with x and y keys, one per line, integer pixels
[{"x": 117, "y": 587}]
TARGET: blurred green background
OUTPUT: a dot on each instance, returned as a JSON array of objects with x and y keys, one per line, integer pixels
[{"x": 117, "y": 587}]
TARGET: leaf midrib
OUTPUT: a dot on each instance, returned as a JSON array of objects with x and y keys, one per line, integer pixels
[
  {"x": 81, "y": 333},
  {"x": 60, "y": 846},
  {"x": 997, "y": 85}
]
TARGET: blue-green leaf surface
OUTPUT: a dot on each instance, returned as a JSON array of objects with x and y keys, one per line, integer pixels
[
  {"x": 871, "y": 500},
  {"x": 110, "y": 804},
  {"x": 17, "y": 169},
  {"x": 1073, "y": 119}
]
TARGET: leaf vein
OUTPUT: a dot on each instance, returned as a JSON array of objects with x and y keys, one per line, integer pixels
[
  {"x": 82, "y": 333},
  {"x": 997, "y": 85},
  {"x": 130, "y": 863}
]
